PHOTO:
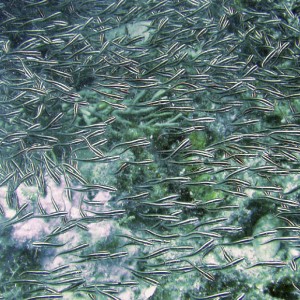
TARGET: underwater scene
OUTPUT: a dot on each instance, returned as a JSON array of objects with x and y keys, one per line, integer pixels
[{"x": 149, "y": 149}]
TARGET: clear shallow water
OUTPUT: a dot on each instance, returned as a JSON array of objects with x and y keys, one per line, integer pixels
[{"x": 149, "y": 150}]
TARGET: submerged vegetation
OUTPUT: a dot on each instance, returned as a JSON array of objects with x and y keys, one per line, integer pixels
[{"x": 149, "y": 149}]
